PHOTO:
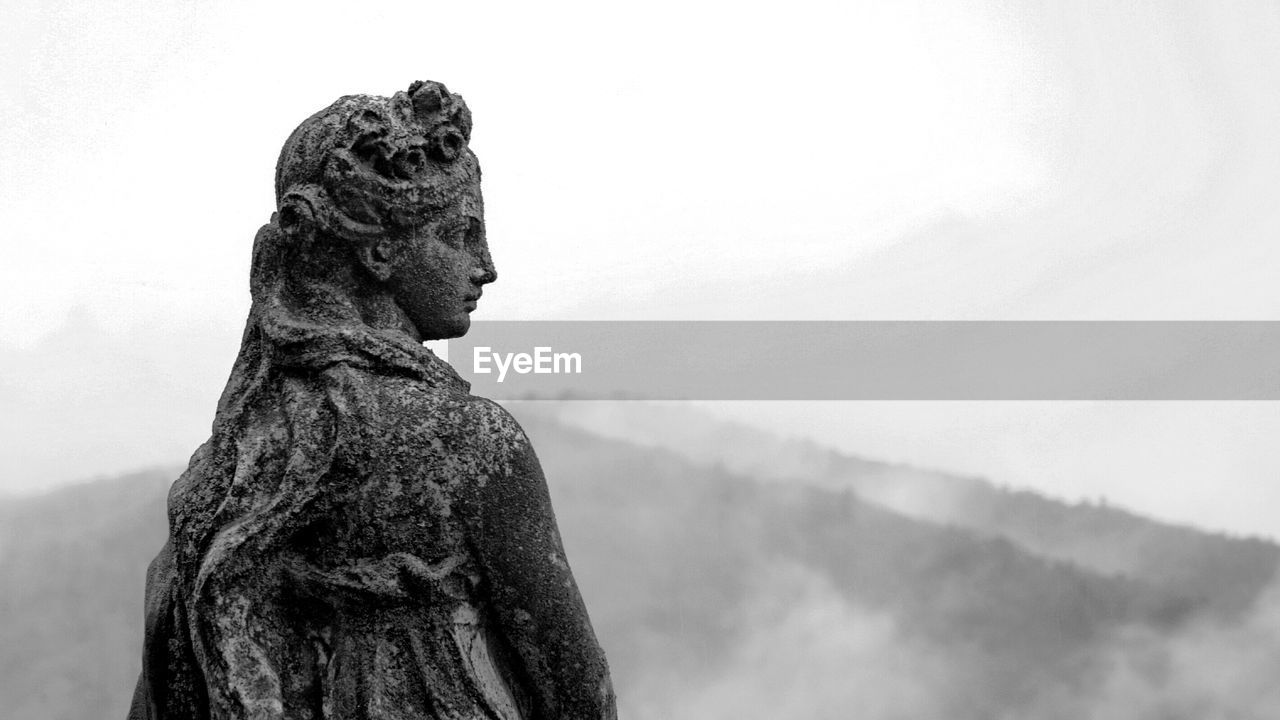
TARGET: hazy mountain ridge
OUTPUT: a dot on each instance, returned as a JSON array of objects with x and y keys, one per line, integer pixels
[
  {"x": 1007, "y": 624},
  {"x": 716, "y": 595},
  {"x": 1228, "y": 572}
]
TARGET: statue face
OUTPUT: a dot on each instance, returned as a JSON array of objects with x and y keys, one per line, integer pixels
[{"x": 439, "y": 271}]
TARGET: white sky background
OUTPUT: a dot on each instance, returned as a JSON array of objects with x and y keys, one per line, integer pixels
[{"x": 955, "y": 159}]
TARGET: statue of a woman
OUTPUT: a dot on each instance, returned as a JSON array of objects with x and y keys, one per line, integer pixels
[{"x": 361, "y": 538}]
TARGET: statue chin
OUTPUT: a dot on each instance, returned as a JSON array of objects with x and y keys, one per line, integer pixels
[{"x": 454, "y": 327}]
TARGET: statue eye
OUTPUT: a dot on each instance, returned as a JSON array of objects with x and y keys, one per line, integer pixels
[
  {"x": 475, "y": 230},
  {"x": 455, "y": 235}
]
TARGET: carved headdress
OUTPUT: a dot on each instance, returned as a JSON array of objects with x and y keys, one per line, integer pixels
[
  {"x": 364, "y": 168},
  {"x": 366, "y": 164}
]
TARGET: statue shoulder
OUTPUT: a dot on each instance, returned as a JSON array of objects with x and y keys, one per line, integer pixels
[
  {"x": 489, "y": 420},
  {"x": 490, "y": 435},
  {"x": 427, "y": 425}
]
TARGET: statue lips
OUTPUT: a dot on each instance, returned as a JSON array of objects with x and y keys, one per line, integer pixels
[{"x": 471, "y": 300}]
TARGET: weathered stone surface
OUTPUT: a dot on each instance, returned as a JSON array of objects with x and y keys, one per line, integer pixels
[{"x": 360, "y": 537}]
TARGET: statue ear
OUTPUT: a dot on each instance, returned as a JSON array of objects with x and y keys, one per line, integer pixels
[
  {"x": 377, "y": 257},
  {"x": 297, "y": 216}
]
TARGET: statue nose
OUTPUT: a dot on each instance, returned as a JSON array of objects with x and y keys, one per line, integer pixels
[{"x": 484, "y": 273}]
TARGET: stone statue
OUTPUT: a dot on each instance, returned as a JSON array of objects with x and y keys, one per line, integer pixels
[{"x": 361, "y": 538}]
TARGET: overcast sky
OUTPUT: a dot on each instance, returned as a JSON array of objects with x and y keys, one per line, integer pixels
[{"x": 954, "y": 159}]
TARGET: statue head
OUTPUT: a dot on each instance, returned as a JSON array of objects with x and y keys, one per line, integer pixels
[{"x": 382, "y": 196}]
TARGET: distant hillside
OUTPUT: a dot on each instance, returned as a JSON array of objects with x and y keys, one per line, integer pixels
[
  {"x": 72, "y": 565},
  {"x": 1227, "y": 573},
  {"x": 1003, "y": 628},
  {"x": 719, "y": 595}
]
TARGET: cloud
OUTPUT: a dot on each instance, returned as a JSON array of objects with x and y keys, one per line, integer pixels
[
  {"x": 1214, "y": 669},
  {"x": 808, "y": 653}
]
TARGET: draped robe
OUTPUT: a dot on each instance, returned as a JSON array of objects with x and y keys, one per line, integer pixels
[{"x": 360, "y": 539}]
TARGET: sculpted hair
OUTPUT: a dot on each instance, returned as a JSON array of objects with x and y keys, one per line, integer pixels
[{"x": 365, "y": 168}]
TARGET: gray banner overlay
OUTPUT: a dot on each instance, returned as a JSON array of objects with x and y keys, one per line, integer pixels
[{"x": 819, "y": 360}]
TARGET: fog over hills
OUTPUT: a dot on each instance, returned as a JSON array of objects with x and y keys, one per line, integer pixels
[
  {"x": 1228, "y": 572},
  {"x": 732, "y": 574}
]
